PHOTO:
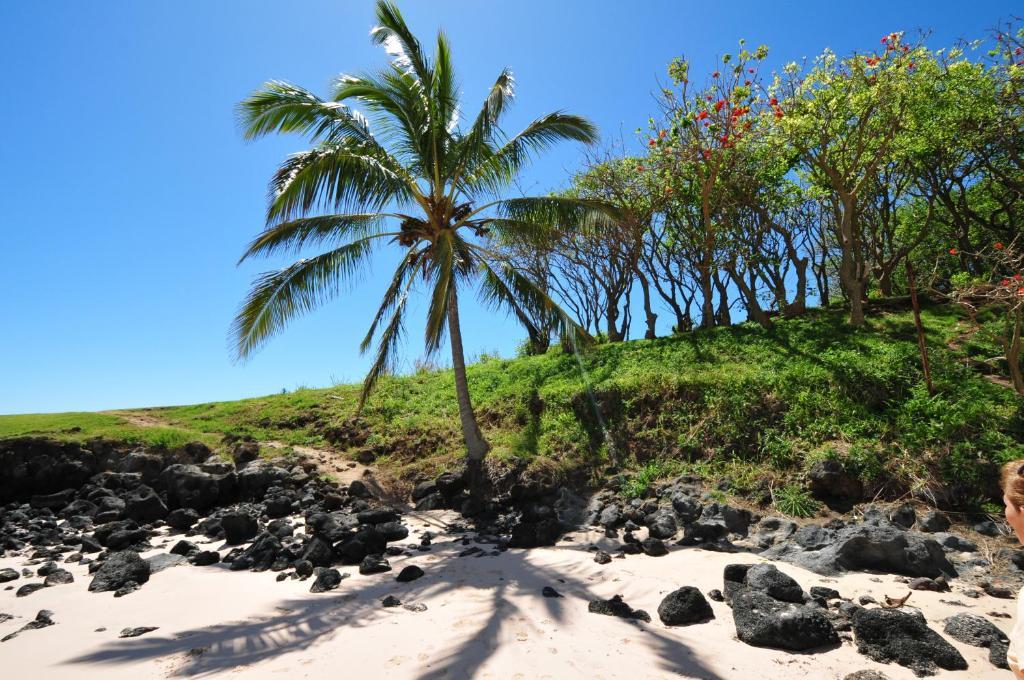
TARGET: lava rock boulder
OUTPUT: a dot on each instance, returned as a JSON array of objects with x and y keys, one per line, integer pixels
[
  {"x": 887, "y": 635},
  {"x": 685, "y": 606},
  {"x": 119, "y": 569},
  {"x": 763, "y": 621}
]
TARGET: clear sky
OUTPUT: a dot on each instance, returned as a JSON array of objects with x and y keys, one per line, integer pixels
[{"x": 128, "y": 193}]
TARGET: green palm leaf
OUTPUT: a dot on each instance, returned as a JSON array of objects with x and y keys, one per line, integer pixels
[{"x": 278, "y": 297}]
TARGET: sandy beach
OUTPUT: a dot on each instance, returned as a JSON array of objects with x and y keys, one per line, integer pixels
[{"x": 485, "y": 617}]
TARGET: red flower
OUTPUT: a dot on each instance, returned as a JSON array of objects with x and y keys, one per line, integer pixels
[
  {"x": 639, "y": 168},
  {"x": 651, "y": 143},
  {"x": 998, "y": 245},
  {"x": 885, "y": 40},
  {"x": 715, "y": 74},
  {"x": 708, "y": 97},
  {"x": 707, "y": 154},
  {"x": 1016, "y": 277},
  {"x": 719, "y": 104},
  {"x": 702, "y": 115},
  {"x": 1004, "y": 282},
  {"x": 746, "y": 82},
  {"x": 724, "y": 139},
  {"x": 1020, "y": 291},
  {"x": 906, "y": 49},
  {"x": 953, "y": 251},
  {"x": 750, "y": 70},
  {"x": 910, "y": 66},
  {"x": 1018, "y": 51},
  {"x": 773, "y": 101}
]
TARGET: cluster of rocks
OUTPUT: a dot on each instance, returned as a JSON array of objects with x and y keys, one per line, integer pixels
[
  {"x": 890, "y": 540},
  {"x": 770, "y": 609},
  {"x": 101, "y": 506}
]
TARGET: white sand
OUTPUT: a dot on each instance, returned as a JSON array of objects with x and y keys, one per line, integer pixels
[{"x": 486, "y": 618}]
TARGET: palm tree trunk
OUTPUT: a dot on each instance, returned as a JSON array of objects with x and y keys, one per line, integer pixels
[{"x": 476, "y": 446}]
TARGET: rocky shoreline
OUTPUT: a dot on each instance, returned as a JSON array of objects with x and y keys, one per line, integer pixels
[{"x": 127, "y": 515}]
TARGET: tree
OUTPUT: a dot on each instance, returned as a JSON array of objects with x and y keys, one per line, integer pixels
[
  {"x": 409, "y": 176},
  {"x": 638, "y": 195},
  {"x": 1002, "y": 290},
  {"x": 843, "y": 117},
  {"x": 703, "y": 127}
]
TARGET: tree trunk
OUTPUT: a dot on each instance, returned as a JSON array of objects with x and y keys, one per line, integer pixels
[
  {"x": 724, "y": 316},
  {"x": 476, "y": 446},
  {"x": 649, "y": 314},
  {"x": 885, "y": 282},
  {"x": 754, "y": 310},
  {"x": 799, "y": 305},
  {"x": 611, "y": 327},
  {"x": 707, "y": 308},
  {"x": 853, "y": 282},
  {"x": 1013, "y": 352}
]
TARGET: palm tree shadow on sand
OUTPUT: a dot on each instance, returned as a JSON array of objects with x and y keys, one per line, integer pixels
[{"x": 301, "y": 623}]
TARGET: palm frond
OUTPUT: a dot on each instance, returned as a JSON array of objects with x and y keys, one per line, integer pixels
[
  {"x": 279, "y": 296},
  {"x": 344, "y": 176},
  {"x": 472, "y": 148},
  {"x": 536, "y": 234},
  {"x": 442, "y": 265},
  {"x": 399, "y": 107},
  {"x": 294, "y": 235},
  {"x": 496, "y": 170},
  {"x": 383, "y": 362},
  {"x": 282, "y": 107},
  {"x": 505, "y": 287},
  {"x": 563, "y": 212},
  {"x": 399, "y": 42},
  {"x": 445, "y": 94},
  {"x": 401, "y": 281}
]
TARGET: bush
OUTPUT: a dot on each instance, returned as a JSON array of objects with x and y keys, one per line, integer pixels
[{"x": 795, "y": 500}]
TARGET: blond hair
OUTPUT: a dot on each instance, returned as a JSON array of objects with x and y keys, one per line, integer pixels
[{"x": 1012, "y": 482}]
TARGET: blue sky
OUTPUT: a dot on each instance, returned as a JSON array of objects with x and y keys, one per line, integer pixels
[{"x": 128, "y": 193}]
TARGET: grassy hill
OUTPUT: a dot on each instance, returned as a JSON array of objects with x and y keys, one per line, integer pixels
[{"x": 749, "y": 408}]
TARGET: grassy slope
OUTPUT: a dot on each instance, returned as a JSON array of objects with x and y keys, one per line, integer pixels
[
  {"x": 738, "y": 402},
  {"x": 81, "y": 426}
]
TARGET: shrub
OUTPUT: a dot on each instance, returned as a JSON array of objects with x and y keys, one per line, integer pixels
[{"x": 795, "y": 500}]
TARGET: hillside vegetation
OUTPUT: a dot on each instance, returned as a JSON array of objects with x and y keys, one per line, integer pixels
[{"x": 748, "y": 408}]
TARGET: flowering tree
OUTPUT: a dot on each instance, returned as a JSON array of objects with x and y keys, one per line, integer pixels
[
  {"x": 1001, "y": 290},
  {"x": 697, "y": 147},
  {"x": 843, "y": 116}
]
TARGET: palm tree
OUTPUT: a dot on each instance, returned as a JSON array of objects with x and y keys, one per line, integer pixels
[{"x": 407, "y": 175}]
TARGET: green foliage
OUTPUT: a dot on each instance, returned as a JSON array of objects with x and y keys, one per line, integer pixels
[
  {"x": 83, "y": 426},
  {"x": 636, "y": 486},
  {"x": 796, "y": 501},
  {"x": 741, "y": 403}
]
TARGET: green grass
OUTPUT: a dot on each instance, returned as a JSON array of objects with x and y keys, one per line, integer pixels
[
  {"x": 796, "y": 501},
  {"x": 745, "y": 405},
  {"x": 84, "y": 426}
]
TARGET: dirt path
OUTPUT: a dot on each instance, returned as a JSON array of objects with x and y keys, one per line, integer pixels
[
  {"x": 328, "y": 462},
  {"x": 139, "y": 419}
]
